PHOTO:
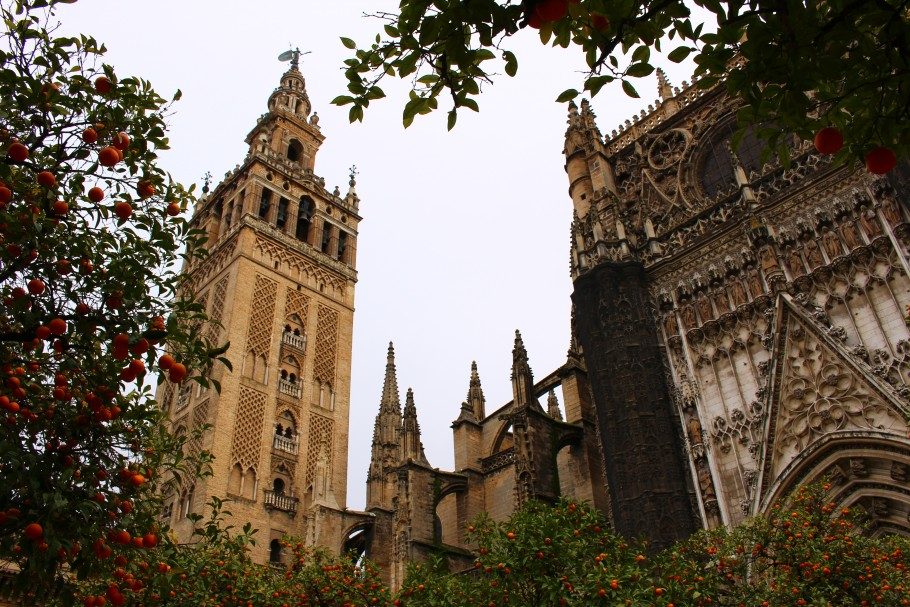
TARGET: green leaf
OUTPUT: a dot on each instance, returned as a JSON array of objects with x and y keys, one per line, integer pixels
[
  {"x": 348, "y": 43},
  {"x": 639, "y": 70},
  {"x": 567, "y": 95},
  {"x": 679, "y": 54},
  {"x": 511, "y": 63},
  {"x": 453, "y": 116},
  {"x": 642, "y": 53},
  {"x": 629, "y": 90},
  {"x": 342, "y": 100}
]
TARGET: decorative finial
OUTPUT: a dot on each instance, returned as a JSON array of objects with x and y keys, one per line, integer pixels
[
  {"x": 354, "y": 173},
  {"x": 206, "y": 180},
  {"x": 663, "y": 85}
]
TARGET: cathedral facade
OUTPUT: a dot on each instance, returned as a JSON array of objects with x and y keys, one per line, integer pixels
[
  {"x": 738, "y": 329},
  {"x": 278, "y": 284}
]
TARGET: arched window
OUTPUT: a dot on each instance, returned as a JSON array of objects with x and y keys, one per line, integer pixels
[
  {"x": 717, "y": 164},
  {"x": 274, "y": 551},
  {"x": 278, "y": 486},
  {"x": 295, "y": 150}
]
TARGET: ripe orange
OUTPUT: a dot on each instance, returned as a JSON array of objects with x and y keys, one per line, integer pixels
[
  {"x": 43, "y": 332},
  {"x": 33, "y": 531},
  {"x": 90, "y": 135},
  {"x": 166, "y": 362},
  {"x": 177, "y": 372},
  {"x": 103, "y": 85},
  {"x": 137, "y": 366},
  {"x": 551, "y": 10},
  {"x": 600, "y": 22},
  {"x": 880, "y": 160},
  {"x": 137, "y": 480},
  {"x": 36, "y": 286},
  {"x": 173, "y": 209},
  {"x": 108, "y": 156},
  {"x": 145, "y": 189},
  {"x": 6, "y": 195},
  {"x": 46, "y": 179},
  {"x": 121, "y": 340},
  {"x": 121, "y": 141},
  {"x": 123, "y": 210},
  {"x": 96, "y": 194},
  {"x": 150, "y": 540},
  {"x": 61, "y": 207},
  {"x": 57, "y": 326},
  {"x": 17, "y": 152},
  {"x": 829, "y": 140}
]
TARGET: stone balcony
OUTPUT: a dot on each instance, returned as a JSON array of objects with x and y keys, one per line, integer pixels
[
  {"x": 288, "y": 445},
  {"x": 289, "y": 389},
  {"x": 280, "y": 501}
]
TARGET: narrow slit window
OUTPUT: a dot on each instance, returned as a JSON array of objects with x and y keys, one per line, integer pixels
[
  {"x": 264, "y": 202},
  {"x": 304, "y": 218},
  {"x": 342, "y": 244},
  {"x": 282, "y": 217},
  {"x": 326, "y": 237}
]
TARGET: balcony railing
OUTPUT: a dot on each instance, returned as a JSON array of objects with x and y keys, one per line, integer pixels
[
  {"x": 283, "y": 443},
  {"x": 295, "y": 341},
  {"x": 280, "y": 501},
  {"x": 286, "y": 387}
]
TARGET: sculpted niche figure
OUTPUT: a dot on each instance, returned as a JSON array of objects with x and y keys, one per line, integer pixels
[
  {"x": 814, "y": 254},
  {"x": 694, "y": 427},
  {"x": 738, "y": 292},
  {"x": 832, "y": 244},
  {"x": 851, "y": 237},
  {"x": 870, "y": 224}
]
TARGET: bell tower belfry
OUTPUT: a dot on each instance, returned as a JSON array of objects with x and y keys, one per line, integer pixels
[{"x": 278, "y": 284}]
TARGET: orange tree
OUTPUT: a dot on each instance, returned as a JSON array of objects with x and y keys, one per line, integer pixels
[
  {"x": 90, "y": 234},
  {"x": 541, "y": 555},
  {"x": 799, "y": 65},
  {"x": 806, "y": 552},
  {"x": 216, "y": 570}
]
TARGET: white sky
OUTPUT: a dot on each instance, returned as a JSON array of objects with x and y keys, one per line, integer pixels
[{"x": 465, "y": 235}]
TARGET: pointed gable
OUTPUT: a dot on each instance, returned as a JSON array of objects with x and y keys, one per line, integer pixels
[{"x": 818, "y": 389}]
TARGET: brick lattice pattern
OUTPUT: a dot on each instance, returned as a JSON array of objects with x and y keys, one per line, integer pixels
[
  {"x": 326, "y": 345},
  {"x": 247, "y": 441},
  {"x": 263, "y": 313},
  {"x": 322, "y": 429}
]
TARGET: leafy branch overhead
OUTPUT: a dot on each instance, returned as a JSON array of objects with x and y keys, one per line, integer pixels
[{"x": 800, "y": 65}]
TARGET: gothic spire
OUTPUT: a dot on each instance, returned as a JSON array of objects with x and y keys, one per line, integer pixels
[
  {"x": 386, "y": 438},
  {"x": 473, "y": 408},
  {"x": 411, "y": 445},
  {"x": 390, "y": 399},
  {"x": 522, "y": 377},
  {"x": 553, "y": 406}
]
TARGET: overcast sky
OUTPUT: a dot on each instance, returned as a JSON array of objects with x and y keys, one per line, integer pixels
[{"x": 465, "y": 234}]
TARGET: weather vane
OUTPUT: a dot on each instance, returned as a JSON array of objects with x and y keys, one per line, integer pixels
[
  {"x": 354, "y": 173},
  {"x": 293, "y": 56}
]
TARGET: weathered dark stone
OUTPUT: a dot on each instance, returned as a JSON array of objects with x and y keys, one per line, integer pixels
[{"x": 642, "y": 452}]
